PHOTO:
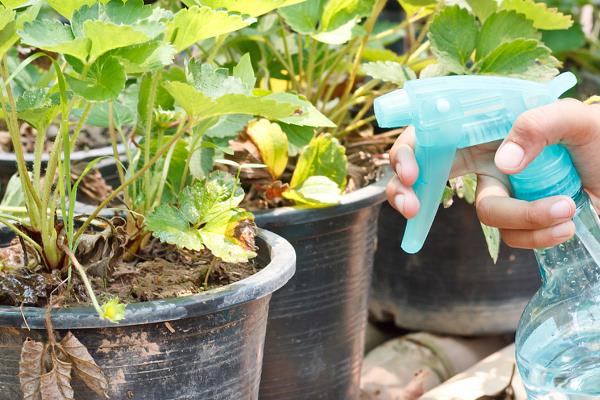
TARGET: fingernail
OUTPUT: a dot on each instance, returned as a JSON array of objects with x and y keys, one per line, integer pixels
[
  {"x": 399, "y": 201},
  {"x": 510, "y": 155},
  {"x": 562, "y": 230},
  {"x": 561, "y": 209}
]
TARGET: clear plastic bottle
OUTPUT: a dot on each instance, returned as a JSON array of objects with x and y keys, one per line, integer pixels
[{"x": 558, "y": 339}]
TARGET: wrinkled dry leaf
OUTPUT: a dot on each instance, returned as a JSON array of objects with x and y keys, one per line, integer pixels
[
  {"x": 84, "y": 365},
  {"x": 100, "y": 251},
  {"x": 30, "y": 369},
  {"x": 56, "y": 384}
]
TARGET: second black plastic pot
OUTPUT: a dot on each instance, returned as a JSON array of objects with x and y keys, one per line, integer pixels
[
  {"x": 203, "y": 347},
  {"x": 452, "y": 285},
  {"x": 315, "y": 333}
]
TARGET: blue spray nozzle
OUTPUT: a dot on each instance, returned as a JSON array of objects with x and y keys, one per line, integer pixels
[{"x": 454, "y": 112}]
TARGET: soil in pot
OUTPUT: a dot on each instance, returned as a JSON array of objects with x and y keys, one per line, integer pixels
[
  {"x": 183, "y": 341},
  {"x": 451, "y": 286}
]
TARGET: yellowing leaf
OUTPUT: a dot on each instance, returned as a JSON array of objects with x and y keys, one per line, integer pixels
[
  {"x": 316, "y": 191},
  {"x": 190, "y": 25},
  {"x": 492, "y": 239},
  {"x": 230, "y": 236},
  {"x": 538, "y": 12},
  {"x": 253, "y": 8},
  {"x": 324, "y": 156},
  {"x": 272, "y": 144},
  {"x": 593, "y": 100},
  {"x": 67, "y": 7},
  {"x": 170, "y": 226}
]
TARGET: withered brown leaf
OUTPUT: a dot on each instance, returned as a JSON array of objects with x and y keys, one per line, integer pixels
[
  {"x": 56, "y": 384},
  {"x": 84, "y": 365},
  {"x": 31, "y": 368}
]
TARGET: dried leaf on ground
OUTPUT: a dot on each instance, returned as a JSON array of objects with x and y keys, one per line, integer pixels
[
  {"x": 30, "y": 369},
  {"x": 84, "y": 365},
  {"x": 56, "y": 384}
]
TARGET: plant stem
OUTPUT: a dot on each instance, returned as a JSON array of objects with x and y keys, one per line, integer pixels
[
  {"x": 210, "y": 269},
  {"x": 291, "y": 70},
  {"x": 22, "y": 235},
  {"x": 369, "y": 25},
  {"x": 300, "y": 58},
  {"x": 84, "y": 116},
  {"x": 311, "y": 67},
  {"x": 154, "y": 78},
  {"x": 216, "y": 48},
  {"x": 129, "y": 181},
  {"x": 81, "y": 271},
  {"x": 113, "y": 140}
]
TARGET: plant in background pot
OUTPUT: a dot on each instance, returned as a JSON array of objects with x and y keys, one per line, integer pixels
[
  {"x": 199, "y": 290},
  {"x": 321, "y": 188},
  {"x": 465, "y": 292}
]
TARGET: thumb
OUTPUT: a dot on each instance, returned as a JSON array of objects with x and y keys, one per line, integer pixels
[{"x": 566, "y": 121}]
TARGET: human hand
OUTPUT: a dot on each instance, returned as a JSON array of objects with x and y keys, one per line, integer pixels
[{"x": 538, "y": 224}]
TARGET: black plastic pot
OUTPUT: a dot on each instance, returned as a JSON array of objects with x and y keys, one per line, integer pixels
[
  {"x": 451, "y": 286},
  {"x": 8, "y": 162},
  {"x": 315, "y": 334},
  {"x": 202, "y": 347}
]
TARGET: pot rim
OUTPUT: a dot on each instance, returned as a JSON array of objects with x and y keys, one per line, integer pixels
[
  {"x": 105, "y": 151},
  {"x": 274, "y": 275},
  {"x": 373, "y": 194}
]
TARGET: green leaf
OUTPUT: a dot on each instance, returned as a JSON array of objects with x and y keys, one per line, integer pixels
[
  {"x": 51, "y": 35},
  {"x": 564, "y": 40},
  {"x": 13, "y": 4},
  {"x": 104, "y": 81},
  {"x": 229, "y": 127},
  {"x": 492, "y": 239},
  {"x": 206, "y": 199},
  {"x": 316, "y": 191},
  {"x": 144, "y": 57},
  {"x": 13, "y": 193},
  {"x": 513, "y": 57},
  {"x": 253, "y": 8},
  {"x": 37, "y": 107},
  {"x": 338, "y": 13},
  {"x": 106, "y": 36},
  {"x": 272, "y": 144},
  {"x": 483, "y": 8},
  {"x": 6, "y": 17},
  {"x": 305, "y": 115},
  {"x": 202, "y": 162},
  {"x": 67, "y": 7},
  {"x": 230, "y": 236},
  {"x": 190, "y": 25},
  {"x": 389, "y": 71},
  {"x": 304, "y": 17},
  {"x": 503, "y": 27},
  {"x": 10, "y": 25},
  {"x": 244, "y": 72},
  {"x": 329, "y": 21},
  {"x": 215, "y": 82},
  {"x": 113, "y": 310},
  {"x": 169, "y": 225},
  {"x": 196, "y": 104},
  {"x": 324, "y": 156},
  {"x": 453, "y": 36},
  {"x": 542, "y": 16},
  {"x": 298, "y": 137}
]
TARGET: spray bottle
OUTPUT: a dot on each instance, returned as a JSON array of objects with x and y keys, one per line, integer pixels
[{"x": 558, "y": 339}]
